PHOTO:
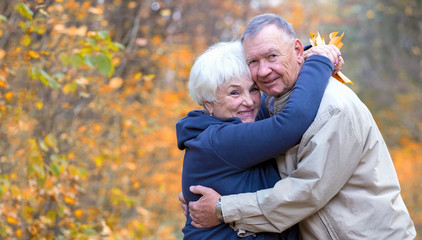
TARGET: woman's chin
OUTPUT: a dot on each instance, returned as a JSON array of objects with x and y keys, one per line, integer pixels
[{"x": 248, "y": 119}]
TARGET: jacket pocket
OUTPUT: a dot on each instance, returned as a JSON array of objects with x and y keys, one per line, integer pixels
[
  {"x": 327, "y": 225},
  {"x": 317, "y": 226}
]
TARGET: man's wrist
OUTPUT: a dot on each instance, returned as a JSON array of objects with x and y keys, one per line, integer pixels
[{"x": 218, "y": 211}]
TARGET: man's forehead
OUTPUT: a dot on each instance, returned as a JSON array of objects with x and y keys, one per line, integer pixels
[
  {"x": 266, "y": 45},
  {"x": 264, "y": 50}
]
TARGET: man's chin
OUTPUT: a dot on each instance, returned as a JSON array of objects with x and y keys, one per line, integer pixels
[{"x": 275, "y": 92}]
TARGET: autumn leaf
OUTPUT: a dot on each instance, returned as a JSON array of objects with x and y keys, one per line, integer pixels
[
  {"x": 12, "y": 220},
  {"x": 33, "y": 54},
  {"x": 70, "y": 200},
  {"x": 336, "y": 40},
  {"x": 104, "y": 65},
  {"x": 24, "y": 10},
  {"x": 78, "y": 213},
  {"x": 8, "y": 96},
  {"x": 318, "y": 40}
]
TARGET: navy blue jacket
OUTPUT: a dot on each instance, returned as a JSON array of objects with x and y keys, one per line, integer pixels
[{"x": 233, "y": 157}]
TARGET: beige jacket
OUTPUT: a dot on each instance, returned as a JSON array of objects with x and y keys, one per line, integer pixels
[{"x": 339, "y": 182}]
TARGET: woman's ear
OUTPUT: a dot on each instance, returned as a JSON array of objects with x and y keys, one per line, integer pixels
[{"x": 209, "y": 107}]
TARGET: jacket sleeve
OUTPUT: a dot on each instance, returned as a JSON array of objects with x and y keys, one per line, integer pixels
[
  {"x": 327, "y": 161},
  {"x": 263, "y": 111},
  {"x": 268, "y": 138}
]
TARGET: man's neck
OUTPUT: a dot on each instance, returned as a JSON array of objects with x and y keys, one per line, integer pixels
[{"x": 277, "y": 104}]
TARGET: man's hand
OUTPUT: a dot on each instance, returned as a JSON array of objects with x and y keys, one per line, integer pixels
[
  {"x": 183, "y": 204},
  {"x": 329, "y": 51},
  {"x": 202, "y": 212}
]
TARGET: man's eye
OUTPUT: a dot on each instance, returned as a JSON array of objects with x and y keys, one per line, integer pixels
[{"x": 252, "y": 63}]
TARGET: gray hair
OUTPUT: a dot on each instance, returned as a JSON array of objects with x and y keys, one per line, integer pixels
[
  {"x": 218, "y": 65},
  {"x": 260, "y": 21}
]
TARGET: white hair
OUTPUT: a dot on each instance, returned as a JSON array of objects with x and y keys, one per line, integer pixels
[{"x": 217, "y": 66}]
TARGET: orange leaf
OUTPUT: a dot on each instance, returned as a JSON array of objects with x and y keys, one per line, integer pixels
[
  {"x": 342, "y": 78},
  {"x": 116, "y": 82},
  {"x": 317, "y": 40},
  {"x": 3, "y": 84},
  {"x": 19, "y": 233},
  {"x": 8, "y": 96},
  {"x": 336, "y": 40},
  {"x": 78, "y": 213}
]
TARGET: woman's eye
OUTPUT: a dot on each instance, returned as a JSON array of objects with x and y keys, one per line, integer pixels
[
  {"x": 234, "y": 93},
  {"x": 255, "y": 89}
]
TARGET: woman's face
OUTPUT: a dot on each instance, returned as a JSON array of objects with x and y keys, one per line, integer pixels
[{"x": 239, "y": 98}]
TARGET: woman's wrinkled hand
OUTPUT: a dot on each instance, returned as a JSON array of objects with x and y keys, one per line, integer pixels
[
  {"x": 183, "y": 204},
  {"x": 329, "y": 51}
]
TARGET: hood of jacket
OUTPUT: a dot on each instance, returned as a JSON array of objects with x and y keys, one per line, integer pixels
[{"x": 195, "y": 123}]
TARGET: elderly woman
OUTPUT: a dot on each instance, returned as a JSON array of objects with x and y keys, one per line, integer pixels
[{"x": 221, "y": 151}]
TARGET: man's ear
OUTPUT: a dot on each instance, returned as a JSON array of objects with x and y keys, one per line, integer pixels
[{"x": 298, "y": 47}]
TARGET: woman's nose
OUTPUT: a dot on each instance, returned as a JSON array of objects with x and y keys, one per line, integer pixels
[{"x": 247, "y": 101}]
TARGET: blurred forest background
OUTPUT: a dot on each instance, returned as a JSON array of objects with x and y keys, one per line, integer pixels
[{"x": 90, "y": 92}]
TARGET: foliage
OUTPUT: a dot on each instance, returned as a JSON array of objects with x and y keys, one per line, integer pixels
[
  {"x": 384, "y": 38},
  {"x": 408, "y": 163},
  {"x": 90, "y": 92},
  {"x": 84, "y": 152}
]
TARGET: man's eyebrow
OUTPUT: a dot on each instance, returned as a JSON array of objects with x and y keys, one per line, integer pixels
[{"x": 269, "y": 51}]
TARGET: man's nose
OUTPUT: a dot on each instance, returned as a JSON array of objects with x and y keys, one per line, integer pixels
[{"x": 264, "y": 69}]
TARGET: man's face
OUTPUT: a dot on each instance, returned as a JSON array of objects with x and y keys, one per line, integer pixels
[{"x": 274, "y": 59}]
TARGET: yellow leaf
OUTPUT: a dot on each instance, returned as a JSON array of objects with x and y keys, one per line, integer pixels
[
  {"x": 12, "y": 220},
  {"x": 317, "y": 40},
  {"x": 39, "y": 105},
  {"x": 70, "y": 87},
  {"x": 69, "y": 200},
  {"x": 51, "y": 140},
  {"x": 26, "y": 40},
  {"x": 33, "y": 54},
  {"x": 138, "y": 76},
  {"x": 2, "y": 53}
]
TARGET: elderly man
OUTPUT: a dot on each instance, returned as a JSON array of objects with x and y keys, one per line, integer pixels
[{"x": 339, "y": 182}]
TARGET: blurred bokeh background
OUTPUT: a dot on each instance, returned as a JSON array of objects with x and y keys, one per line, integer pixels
[{"x": 90, "y": 92}]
